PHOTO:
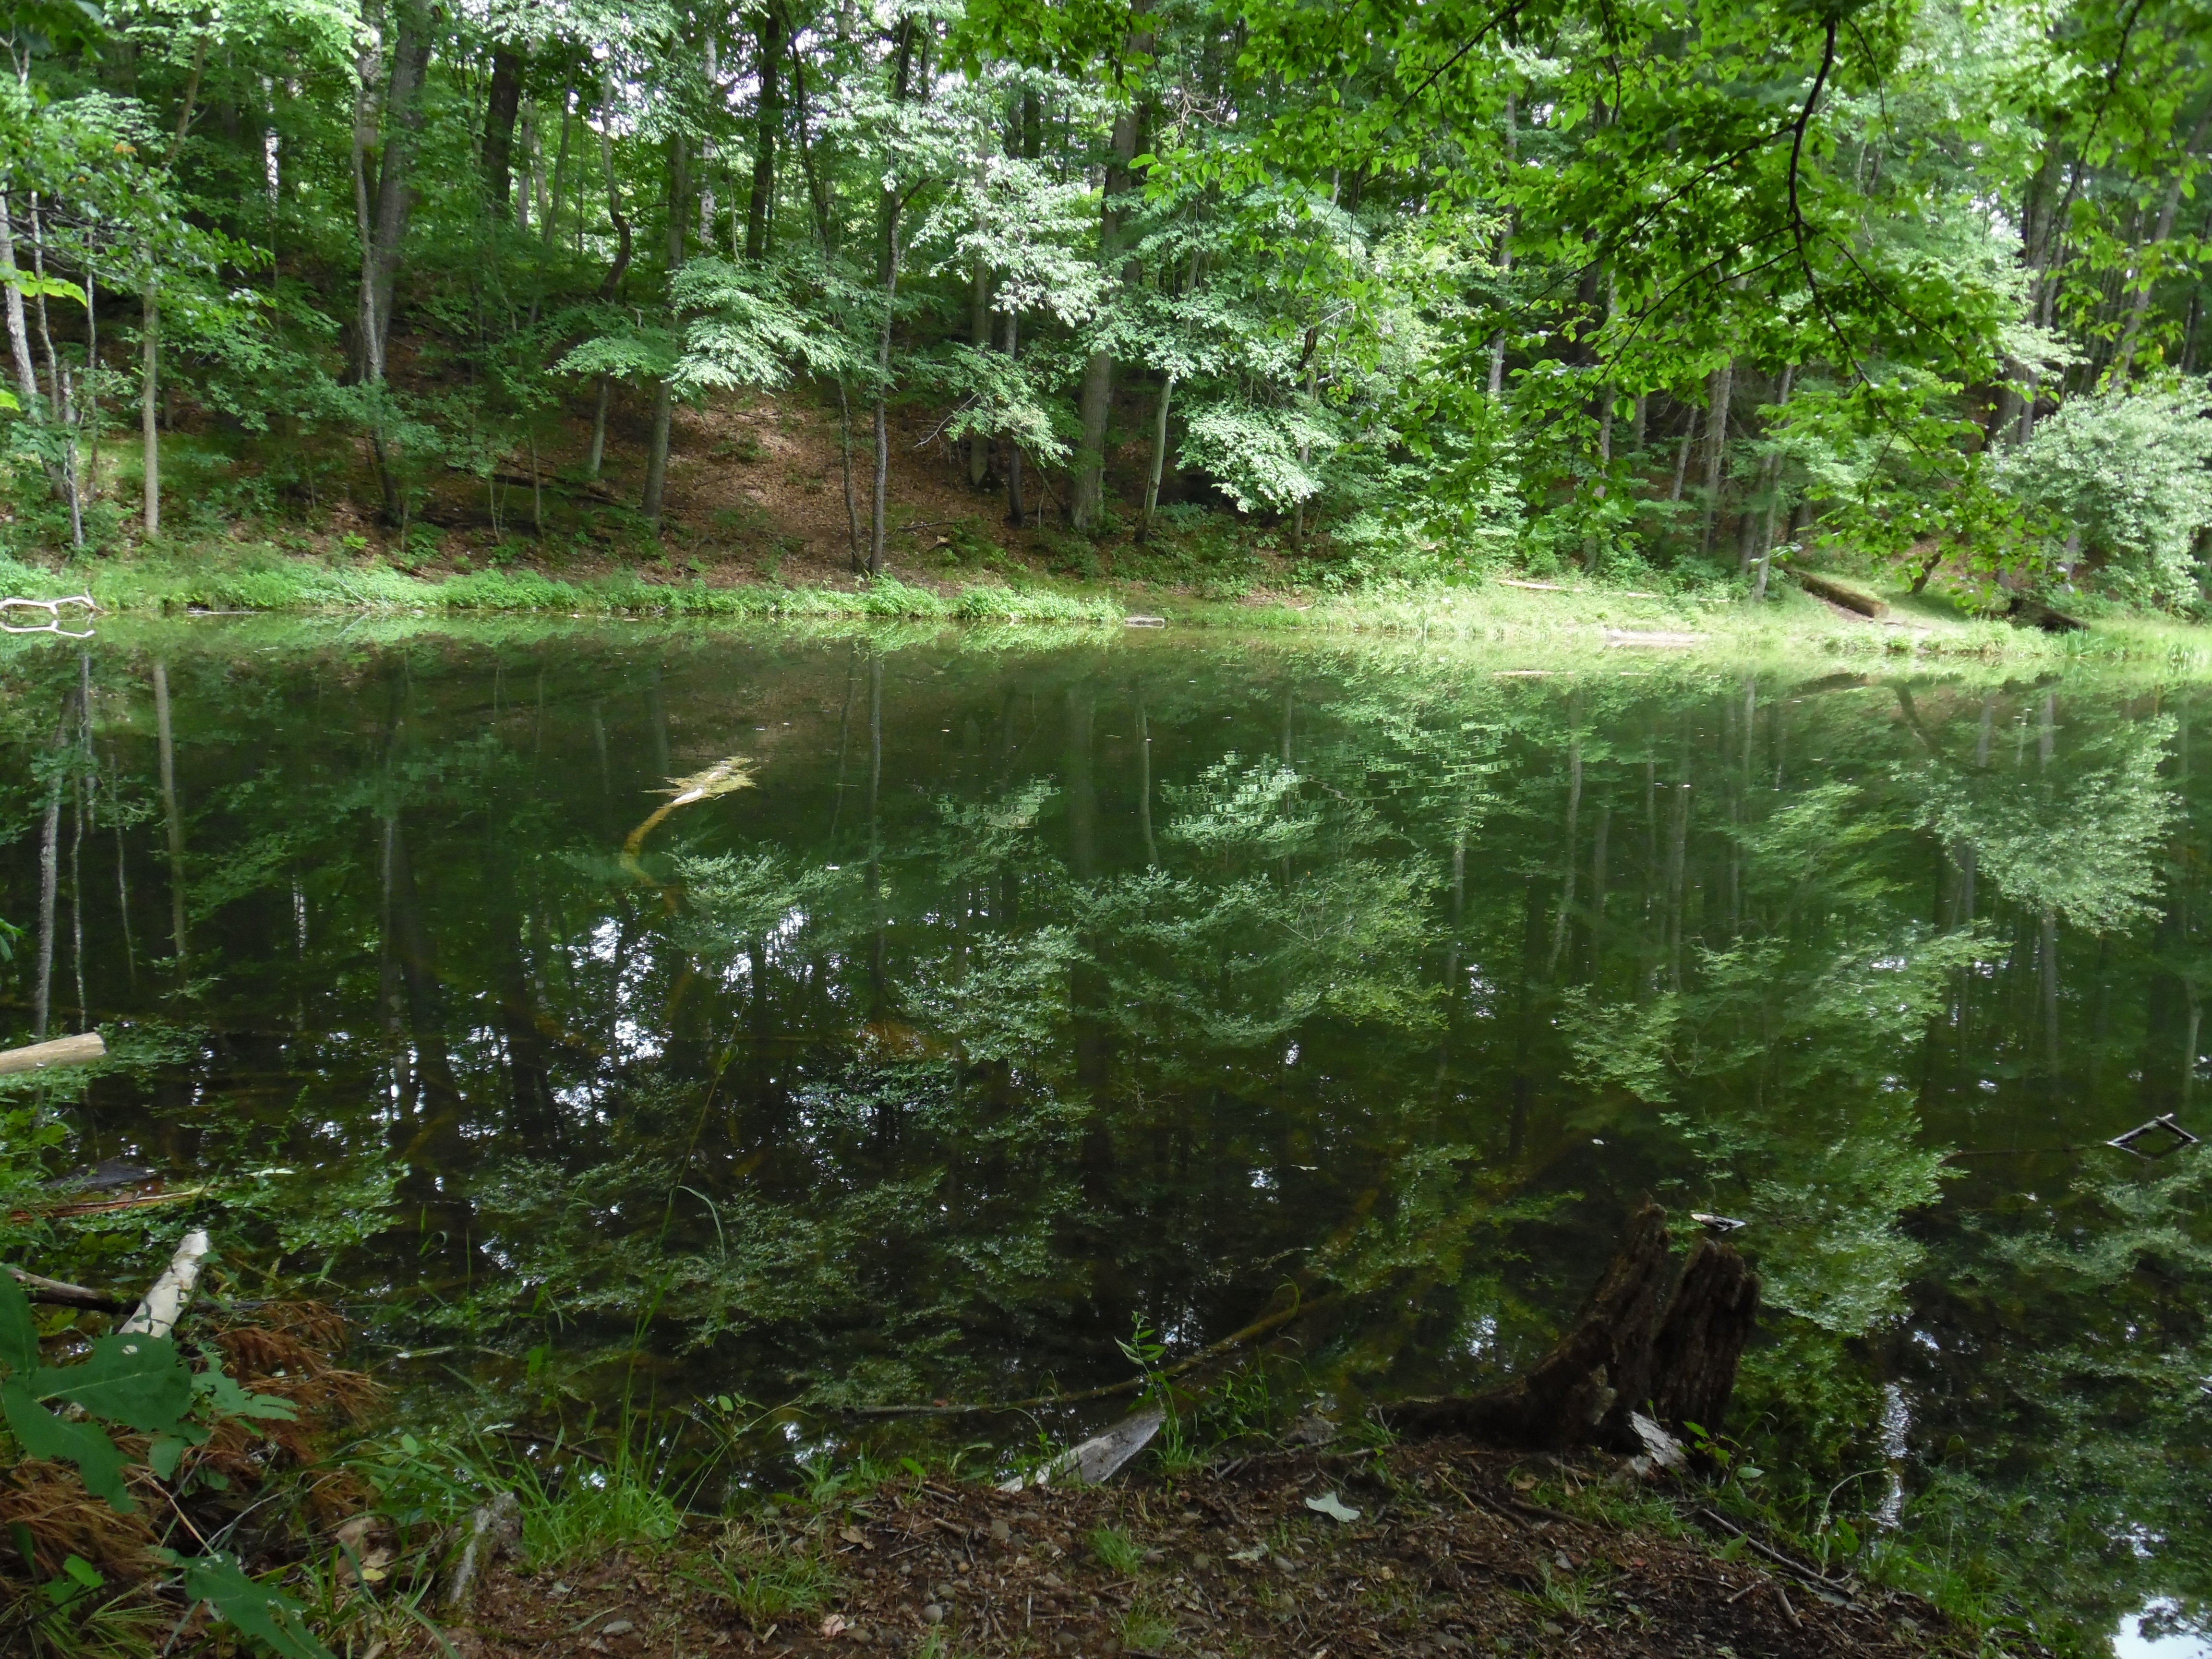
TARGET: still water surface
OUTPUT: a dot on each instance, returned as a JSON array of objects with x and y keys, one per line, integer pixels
[{"x": 832, "y": 1019}]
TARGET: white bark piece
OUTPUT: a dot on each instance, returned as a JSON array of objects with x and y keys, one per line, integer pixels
[{"x": 158, "y": 1313}]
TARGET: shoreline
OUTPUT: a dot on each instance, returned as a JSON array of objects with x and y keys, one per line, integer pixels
[{"x": 1505, "y": 613}]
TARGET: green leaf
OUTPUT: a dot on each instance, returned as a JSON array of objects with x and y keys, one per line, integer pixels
[
  {"x": 138, "y": 1381},
  {"x": 42, "y": 1434},
  {"x": 83, "y": 1571},
  {"x": 19, "y": 1332},
  {"x": 163, "y": 1455},
  {"x": 260, "y": 1610},
  {"x": 223, "y": 1392},
  {"x": 35, "y": 288}
]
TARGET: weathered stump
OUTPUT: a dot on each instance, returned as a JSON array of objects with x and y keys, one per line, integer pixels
[{"x": 1633, "y": 1348}]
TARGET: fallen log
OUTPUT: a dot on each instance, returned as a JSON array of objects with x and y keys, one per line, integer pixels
[
  {"x": 79, "y": 1050},
  {"x": 1645, "y": 1341},
  {"x": 164, "y": 1306},
  {"x": 1836, "y": 592},
  {"x": 59, "y": 1293}
]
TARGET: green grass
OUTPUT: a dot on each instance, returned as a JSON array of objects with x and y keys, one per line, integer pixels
[
  {"x": 1116, "y": 1552},
  {"x": 1638, "y": 629},
  {"x": 766, "y": 1585},
  {"x": 251, "y": 578}
]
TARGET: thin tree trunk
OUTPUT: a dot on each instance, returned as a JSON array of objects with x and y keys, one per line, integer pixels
[
  {"x": 1159, "y": 455},
  {"x": 148, "y": 410},
  {"x": 1504, "y": 256},
  {"x": 1682, "y": 457},
  {"x": 664, "y": 402},
  {"x": 887, "y": 277},
  {"x": 19, "y": 336},
  {"x": 1016, "y": 509},
  {"x": 552, "y": 210},
  {"x": 1095, "y": 408},
  {"x": 1771, "y": 482},
  {"x": 598, "y": 430},
  {"x": 979, "y": 336},
  {"x": 1717, "y": 420}
]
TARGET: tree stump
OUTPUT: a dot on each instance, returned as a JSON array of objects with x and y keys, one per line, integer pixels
[{"x": 1633, "y": 1348}]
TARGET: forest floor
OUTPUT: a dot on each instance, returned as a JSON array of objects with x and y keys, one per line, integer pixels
[
  {"x": 757, "y": 524},
  {"x": 1412, "y": 1552}
]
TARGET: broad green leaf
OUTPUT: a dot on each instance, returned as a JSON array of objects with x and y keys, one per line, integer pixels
[
  {"x": 19, "y": 1332},
  {"x": 138, "y": 1381},
  {"x": 260, "y": 1610},
  {"x": 42, "y": 1434}
]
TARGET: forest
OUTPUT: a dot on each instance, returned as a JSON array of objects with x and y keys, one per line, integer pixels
[{"x": 1378, "y": 291}]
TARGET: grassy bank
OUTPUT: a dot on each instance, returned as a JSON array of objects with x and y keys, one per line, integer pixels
[{"x": 259, "y": 578}]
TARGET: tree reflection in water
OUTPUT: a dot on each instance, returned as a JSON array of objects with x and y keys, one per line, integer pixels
[{"x": 1040, "y": 985}]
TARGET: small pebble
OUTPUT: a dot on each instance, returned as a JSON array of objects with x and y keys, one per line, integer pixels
[
  {"x": 1001, "y": 1531},
  {"x": 933, "y": 1614},
  {"x": 616, "y": 1628}
]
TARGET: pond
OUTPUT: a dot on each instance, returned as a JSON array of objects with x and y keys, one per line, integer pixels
[{"x": 836, "y": 1019}]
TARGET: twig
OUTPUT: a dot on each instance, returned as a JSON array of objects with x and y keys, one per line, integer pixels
[{"x": 59, "y": 1292}]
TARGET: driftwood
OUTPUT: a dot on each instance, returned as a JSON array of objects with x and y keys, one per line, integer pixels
[
  {"x": 59, "y": 1293},
  {"x": 1646, "y": 1342},
  {"x": 1836, "y": 592},
  {"x": 164, "y": 1306},
  {"x": 62, "y": 1051}
]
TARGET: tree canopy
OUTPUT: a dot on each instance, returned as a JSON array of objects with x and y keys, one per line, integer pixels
[{"x": 1413, "y": 288}]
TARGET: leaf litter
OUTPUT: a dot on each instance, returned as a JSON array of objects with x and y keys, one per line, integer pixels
[{"x": 1441, "y": 1556}]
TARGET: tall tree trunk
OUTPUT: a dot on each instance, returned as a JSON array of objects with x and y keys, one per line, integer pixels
[
  {"x": 383, "y": 212},
  {"x": 149, "y": 411},
  {"x": 1094, "y": 406},
  {"x": 501, "y": 103},
  {"x": 664, "y": 401},
  {"x": 887, "y": 275},
  {"x": 979, "y": 336},
  {"x": 599, "y": 453},
  {"x": 1717, "y": 420},
  {"x": 552, "y": 207},
  {"x": 19, "y": 336},
  {"x": 760, "y": 211},
  {"x": 1159, "y": 454},
  {"x": 1504, "y": 255},
  {"x": 1016, "y": 509}
]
